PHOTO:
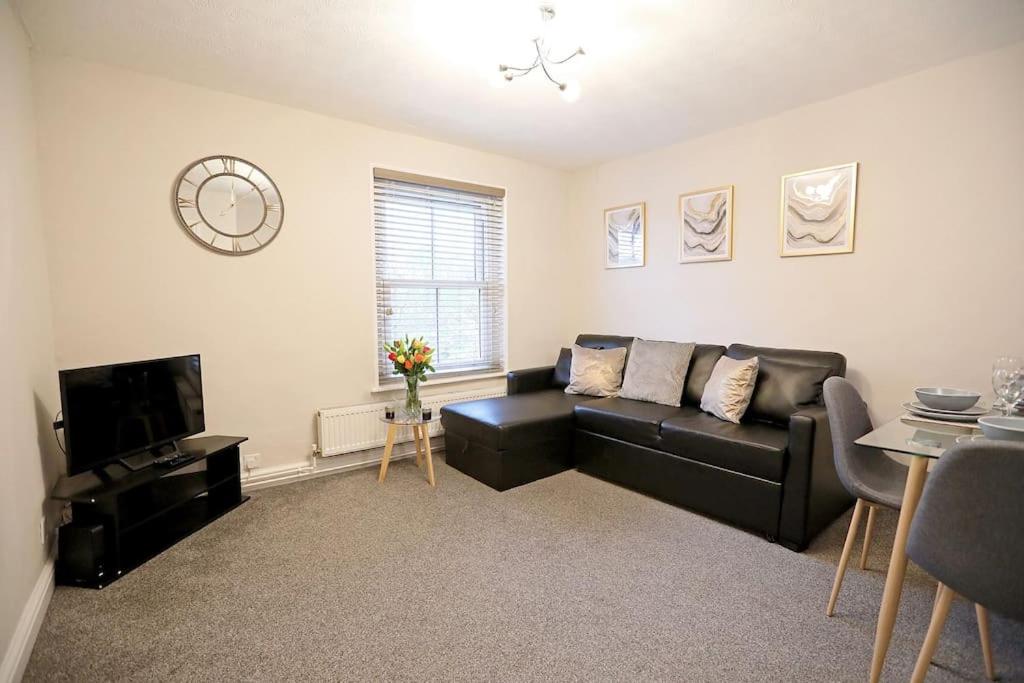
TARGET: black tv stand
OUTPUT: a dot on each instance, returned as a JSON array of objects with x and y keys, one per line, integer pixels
[{"x": 139, "y": 514}]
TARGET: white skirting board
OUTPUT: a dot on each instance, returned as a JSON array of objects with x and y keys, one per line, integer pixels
[
  {"x": 298, "y": 471},
  {"x": 12, "y": 668}
]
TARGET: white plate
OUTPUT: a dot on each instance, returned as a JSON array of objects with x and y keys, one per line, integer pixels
[
  {"x": 931, "y": 415},
  {"x": 977, "y": 411}
]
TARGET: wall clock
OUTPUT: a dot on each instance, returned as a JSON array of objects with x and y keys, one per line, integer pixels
[{"x": 228, "y": 205}]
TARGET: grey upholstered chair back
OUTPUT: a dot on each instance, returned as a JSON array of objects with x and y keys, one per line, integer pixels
[
  {"x": 865, "y": 472},
  {"x": 968, "y": 531}
]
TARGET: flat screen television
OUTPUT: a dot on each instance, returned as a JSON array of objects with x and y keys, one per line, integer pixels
[{"x": 111, "y": 412}]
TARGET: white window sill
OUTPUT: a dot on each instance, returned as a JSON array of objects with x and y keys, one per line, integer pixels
[{"x": 441, "y": 380}]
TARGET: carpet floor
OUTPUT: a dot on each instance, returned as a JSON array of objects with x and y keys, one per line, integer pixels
[{"x": 568, "y": 578}]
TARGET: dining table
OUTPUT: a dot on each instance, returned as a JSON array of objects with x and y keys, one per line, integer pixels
[{"x": 922, "y": 440}]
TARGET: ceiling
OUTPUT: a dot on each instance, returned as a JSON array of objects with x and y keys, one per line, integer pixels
[{"x": 655, "y": 72}]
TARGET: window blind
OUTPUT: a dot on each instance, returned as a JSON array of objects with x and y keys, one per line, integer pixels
[{"x": 440, "y": 267}]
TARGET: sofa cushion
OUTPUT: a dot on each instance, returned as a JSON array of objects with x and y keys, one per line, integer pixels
[
  {"x": 784, "y": 388},
  {"x": 728, "y": 391},
  {"x": 604, "y": 341},
  {"x": 596, "y": 372},
  {"x": 701, "y": 364},
  {"x": 755, "y": 448},
  {"x": 656, "y": 371},
  {"x": 622, "y": 418},
  {"x": 517, "y": 421},
  {"x": 563, "y": 367},
  {"x": 836, "y": 362}
]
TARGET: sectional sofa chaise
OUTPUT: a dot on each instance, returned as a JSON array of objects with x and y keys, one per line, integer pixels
[{"x": 773, "y": 473}]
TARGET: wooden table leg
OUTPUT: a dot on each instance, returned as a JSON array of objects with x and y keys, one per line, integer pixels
[
  {"x": 419, "y": 448},
  {"x": 897, "y": 565},
  {"x": 425, "y": 436},
  {"x": 388, "y": 445}
]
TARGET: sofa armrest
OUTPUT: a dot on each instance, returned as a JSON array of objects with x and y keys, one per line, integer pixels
[
  {"x": 531, "y": 379},
  {"x": 812, "y": 495}
]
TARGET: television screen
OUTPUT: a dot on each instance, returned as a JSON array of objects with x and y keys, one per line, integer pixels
[{"x": 112, "y": 411}]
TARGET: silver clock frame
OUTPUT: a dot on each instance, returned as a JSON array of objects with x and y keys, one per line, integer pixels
[{"x": 189, "y": 228}]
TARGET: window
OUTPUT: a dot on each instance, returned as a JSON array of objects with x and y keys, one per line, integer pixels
[{"x": 440, "y": 264}]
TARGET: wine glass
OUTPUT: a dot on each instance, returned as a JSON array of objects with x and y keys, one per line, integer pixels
[{"x": 1008, "y": 381}]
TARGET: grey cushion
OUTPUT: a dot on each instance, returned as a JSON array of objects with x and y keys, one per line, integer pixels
[{"x": 656, "y": 371}]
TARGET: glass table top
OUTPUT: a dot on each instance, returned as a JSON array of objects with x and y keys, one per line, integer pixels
[{"x": 909, "y": 435}]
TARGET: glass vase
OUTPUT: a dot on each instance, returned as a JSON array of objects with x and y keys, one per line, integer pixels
[{"x": 413, "y": 407}]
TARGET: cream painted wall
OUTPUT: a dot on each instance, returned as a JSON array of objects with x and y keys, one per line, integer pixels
[
  {"x": 286, "y": 330},
  {"x": 28, "y": 379},
  {"x": 931, "y": 294}
]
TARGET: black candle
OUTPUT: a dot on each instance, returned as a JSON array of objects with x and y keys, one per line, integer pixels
[
  {"x": 389, "y": 413},
  {"x": 426, "y": 414}
]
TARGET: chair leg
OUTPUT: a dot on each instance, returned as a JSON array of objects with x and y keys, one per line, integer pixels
[
  {"x": 867, "y": 536},
  {"x": 931, "y": 641},
  {"x": 851, "y": 537},
  {"x": 986, "y": 642}
]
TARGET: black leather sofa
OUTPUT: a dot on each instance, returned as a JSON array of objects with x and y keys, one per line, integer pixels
[{"x": 774, "y": 473}]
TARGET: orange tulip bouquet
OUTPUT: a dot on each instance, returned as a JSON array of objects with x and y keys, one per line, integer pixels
[{"x": 412, "y": 358}]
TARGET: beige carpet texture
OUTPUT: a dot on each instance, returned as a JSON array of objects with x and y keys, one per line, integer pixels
[{"x": 568, "y": 578}]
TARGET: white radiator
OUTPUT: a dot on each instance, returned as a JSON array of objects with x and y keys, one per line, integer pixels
[{"x": 358, "y": 428}]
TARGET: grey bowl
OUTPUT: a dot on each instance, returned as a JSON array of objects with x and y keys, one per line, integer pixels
[
  {"x": 1006, "y": 428},
  {"x": 947, "y": 399}
]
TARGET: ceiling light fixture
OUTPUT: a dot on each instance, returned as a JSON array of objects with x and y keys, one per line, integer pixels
[{"x": 569, "y": 89}]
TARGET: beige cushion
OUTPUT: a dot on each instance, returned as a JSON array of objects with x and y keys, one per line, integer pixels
[
  {"x": 727, "y": 393},
  {"x": 596, "y": 372},
  {"x": 656, "y": 371}
]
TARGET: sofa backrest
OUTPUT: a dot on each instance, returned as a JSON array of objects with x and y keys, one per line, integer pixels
[
  {"x": 702, "y": 362},
  {"x": 604, "y": 341},
  {"x": 788, "y": 379}
]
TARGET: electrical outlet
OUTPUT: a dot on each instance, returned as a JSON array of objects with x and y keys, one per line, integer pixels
[
  {"x": 251, "y": 460},
  {"x": 42, "y": 530}
]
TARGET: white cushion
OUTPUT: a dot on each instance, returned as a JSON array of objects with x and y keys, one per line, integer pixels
[
  {"x": 728, "y": 391},
  {"x": 596, "y": 372}
]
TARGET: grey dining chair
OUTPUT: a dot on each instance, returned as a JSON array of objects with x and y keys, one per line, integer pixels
[
  {"x": 874, "y": 479},
  {"x": 968, "y": 532}
]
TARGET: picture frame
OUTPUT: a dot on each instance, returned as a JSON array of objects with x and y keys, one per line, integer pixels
[
  {"x": 818, "y": 211},
  {"x": 626, "y": 236},
  {"x": 706, "y": 225}
]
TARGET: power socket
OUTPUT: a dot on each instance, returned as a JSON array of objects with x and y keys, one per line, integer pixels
[{"x": 251, "y": 461}]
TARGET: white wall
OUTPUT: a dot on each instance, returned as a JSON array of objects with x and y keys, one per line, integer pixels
[
  {"x": 28, "y": 379},
  {"x": 931, "y": 294},
  {"x": 286, "y": 330}
]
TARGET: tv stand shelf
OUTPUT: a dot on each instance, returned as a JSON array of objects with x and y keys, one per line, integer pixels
[{"x": 144, "y": 512}]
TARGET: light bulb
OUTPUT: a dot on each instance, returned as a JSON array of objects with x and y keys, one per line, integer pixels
[{"x": 570, "y": 90}]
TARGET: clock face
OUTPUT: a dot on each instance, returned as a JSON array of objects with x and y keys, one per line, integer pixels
[{"x": 228, "y": 205}]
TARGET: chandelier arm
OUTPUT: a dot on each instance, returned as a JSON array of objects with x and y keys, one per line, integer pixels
[
  {"x": 544, "y": 68},
  {"x": 563, "y": 61}
]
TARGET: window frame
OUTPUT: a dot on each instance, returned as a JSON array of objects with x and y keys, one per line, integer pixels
[{"x": 396, "y": 382}]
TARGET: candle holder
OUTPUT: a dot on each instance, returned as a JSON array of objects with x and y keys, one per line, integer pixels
[
  {"x": 427, "y": 412},
  {"x": 389, "y": 413}
]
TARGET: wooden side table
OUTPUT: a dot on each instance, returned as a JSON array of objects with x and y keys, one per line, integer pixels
[{"x": 420, "y": 434}]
